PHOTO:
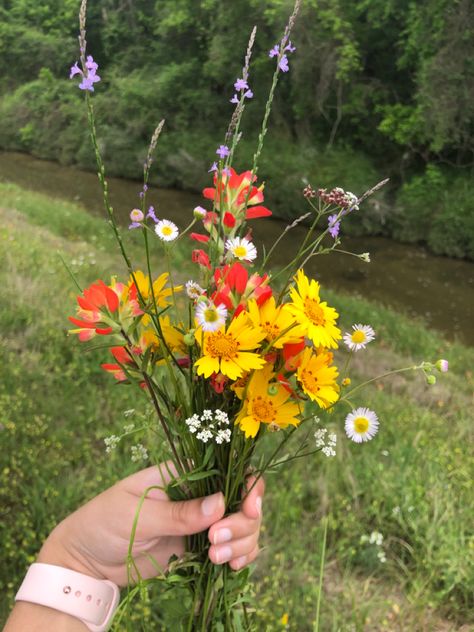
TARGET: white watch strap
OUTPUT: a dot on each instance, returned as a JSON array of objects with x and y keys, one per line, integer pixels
[{"x": 91, "y": 600}]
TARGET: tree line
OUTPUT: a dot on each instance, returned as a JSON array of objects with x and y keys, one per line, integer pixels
[{"x": 375, "y": 88}]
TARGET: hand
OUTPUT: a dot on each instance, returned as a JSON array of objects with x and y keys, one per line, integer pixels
[{"x": 95, "y": 539}]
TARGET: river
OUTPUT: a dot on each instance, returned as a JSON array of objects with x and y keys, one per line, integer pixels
[{"x": 405, "y": 277}]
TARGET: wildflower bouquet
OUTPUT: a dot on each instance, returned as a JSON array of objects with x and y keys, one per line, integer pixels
[{"x": 234, "y": 358}]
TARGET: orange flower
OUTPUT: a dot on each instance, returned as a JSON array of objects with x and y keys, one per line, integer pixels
[{"x": 96, "y": 304}]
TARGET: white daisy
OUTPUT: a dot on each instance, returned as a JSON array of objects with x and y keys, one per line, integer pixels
[
  {"x": 166, "y": 230},
  {"x": 241, "y": 248},
  {"x": 361, "y": 424},
  {"x": 194, "y": 290},
  {"x": 209, "y": 316},
  {"x": 361, "y": 336}
]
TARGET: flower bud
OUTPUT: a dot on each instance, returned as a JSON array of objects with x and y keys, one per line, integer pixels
[
  {"x": 346, "y": 381},
  {"x": 431, "y": 379},
  {"x": 199, "y": 212},
  {"x": 136, "y": 215},
  {"x": 189, "y": 338},
  {"x": 365, "y": 256},
  {"x": 442, "y": 365},
  {"x": 272, "y": 389}
]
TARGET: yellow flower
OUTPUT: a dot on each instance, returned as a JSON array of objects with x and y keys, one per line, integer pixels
[
  {"x": 266, "y": 403},
  {"x": 161, "y": 293},
  {"x": 317, "y": 378},
  {"x": 173, "y": 338},
  {"x": 230, "y": 352},
  {"x": 274, "y": 321},
  {"x": 317, "y": 319}
]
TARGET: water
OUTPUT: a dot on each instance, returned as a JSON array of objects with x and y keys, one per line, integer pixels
[{"x": 404, "y": 277}]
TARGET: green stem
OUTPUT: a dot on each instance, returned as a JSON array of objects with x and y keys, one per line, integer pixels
[{"x": 321, "y": 575}]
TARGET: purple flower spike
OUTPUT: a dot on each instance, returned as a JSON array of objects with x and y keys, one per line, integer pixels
[
  {"x": 283, "y": 64},
  {"x": 222, "y": 151},
  {"x": 88, "y": 79},
  {"x": 248, "y": 94},
  {"x": 241, "y": 84},
  {"x": 151, "y": 214},
  {"x": 235, "y": 99},
  {"x": 213, "y": 167},
  {"x": 290, "y": 48},
  {"x": 274, "y": 51},
  {"x": 333, "y": 226}
]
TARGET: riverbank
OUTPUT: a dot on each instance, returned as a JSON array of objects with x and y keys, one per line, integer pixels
[
  {"x": 404, "y": 277},
  {"x": 413, "y": 483}
]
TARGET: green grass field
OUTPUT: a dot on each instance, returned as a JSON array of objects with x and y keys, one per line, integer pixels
[{"x": 412, "y": 483}]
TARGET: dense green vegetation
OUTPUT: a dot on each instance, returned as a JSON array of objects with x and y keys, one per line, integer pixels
[
  {"x": 375, "y": 88},
  {"x": 412, "y": 483}
]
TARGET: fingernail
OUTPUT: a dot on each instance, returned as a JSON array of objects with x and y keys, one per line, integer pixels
[
  {"x": 240, "y": 561},
  {"x": 258, "y": 504},
  {"x": 223, "y": 554},
  {"x": 210, "y": 504},
  {"x": 222, "y": 535}
]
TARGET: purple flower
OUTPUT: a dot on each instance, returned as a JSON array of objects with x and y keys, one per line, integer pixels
[
  {"x": 151, "y": 214},
  {"x": 283, "y": 64},
  {"x": 88, "y": 79},
  {"x": 248, "y": 94},
  {"x": 333, "y": 226},
  {"x": 241, "y": 84},
  {"x": 75, "y": 70},
  {"x": 227, "y": 172},
  {"x": 222, "y": 151},
  {"x": 290, "y": 48},
  {"x": 274, "y": 51},
  {"x": 213, "y": 167},
  {"x": 235, "y": 99},
  {"x": 134, "y": 225}
]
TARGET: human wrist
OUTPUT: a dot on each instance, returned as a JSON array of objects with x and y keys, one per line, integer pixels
[{"x": 60, "y": 549}]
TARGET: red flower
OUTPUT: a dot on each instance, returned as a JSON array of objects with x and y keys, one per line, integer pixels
[
  {"x": 234, "y": 287},
  {"x": 96, "y": 301},
  {"x": 199, "y": 256},
  {"x": 229, "y": 220},
  {"x": 200, "y": 237},
  {"x": 230, "y": 194}
]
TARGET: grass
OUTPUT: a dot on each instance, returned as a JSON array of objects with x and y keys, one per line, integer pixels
[{"x": 413, "y": 483}]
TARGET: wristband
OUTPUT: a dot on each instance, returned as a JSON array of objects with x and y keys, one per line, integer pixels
[{"x": 93, "y": 601}]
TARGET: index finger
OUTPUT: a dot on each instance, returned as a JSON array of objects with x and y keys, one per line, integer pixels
[{"x": 252, "y": 503}]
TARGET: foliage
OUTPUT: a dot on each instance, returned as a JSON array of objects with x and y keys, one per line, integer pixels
[{"x": 390, "y": 80}]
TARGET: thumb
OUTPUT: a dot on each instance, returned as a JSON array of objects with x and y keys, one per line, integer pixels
[{"x": 177, "y": 518}]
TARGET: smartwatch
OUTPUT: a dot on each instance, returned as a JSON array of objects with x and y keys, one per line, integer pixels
[{"x": 93, "y": 601}]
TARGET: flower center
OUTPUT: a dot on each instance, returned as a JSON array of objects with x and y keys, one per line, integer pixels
[
  {"x": 361, "y": 425},
  {"x": 167, "y": 230},
  {"x": 309, "y": 381},
  {"x": 313, "y": 311},
  {"x": 220, "y": 345},
  {"x": 358, "y": 336},
  {"x": 240, "y": 252},
  {"x": 272, "y": 330},
  {"x": 210, "y": 315},
  {"x": 263, "y": 409}
]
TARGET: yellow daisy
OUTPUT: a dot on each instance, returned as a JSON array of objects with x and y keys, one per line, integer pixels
[
  {"x": 317, "y": 378},
  {"x": 161, "y": 292},
  {"x": 230, "y": 351},
  {"x": 266, "y": 403},
  {"x": 317, "y": 319},
  {"x": 274, "y": 321},
  {"x": 173, "y": 338}
]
